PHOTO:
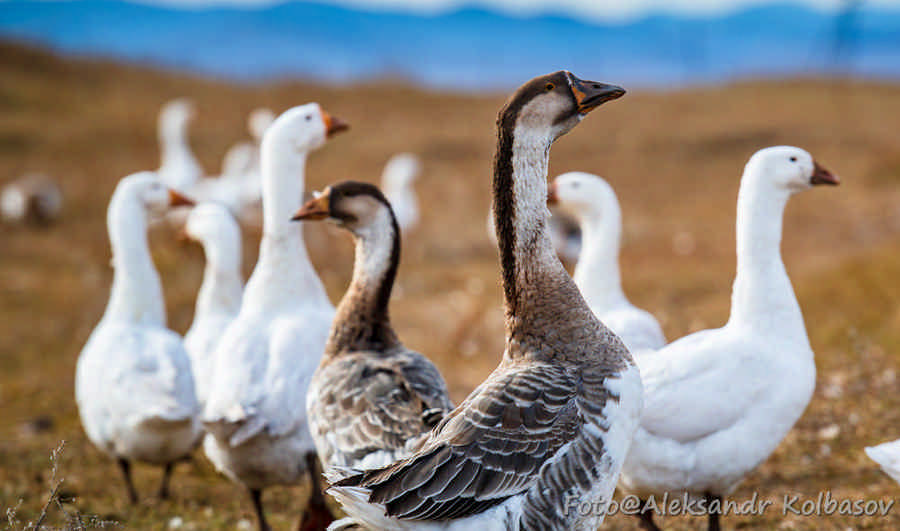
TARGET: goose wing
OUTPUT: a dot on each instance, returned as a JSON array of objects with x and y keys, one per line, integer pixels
[
  {"x": 489, "y": 448},
  {"x": 370, "y": 404}
]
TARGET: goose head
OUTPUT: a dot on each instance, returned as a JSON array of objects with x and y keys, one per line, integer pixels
[
  {"x": 401, "y": 171},
  {"x": 789, "y": 168},
  {"x": 583, "y": 195},
  {"x": 209, "y": 222},
  {"x": 549, "y": 106},
  {"x": 258, "y": 121},
  {"x": 150, "y": 193},
  {"x": 356, "y": 206},
  {"x": 175, "y": 116},
  {"x": 301, "y": 129}
]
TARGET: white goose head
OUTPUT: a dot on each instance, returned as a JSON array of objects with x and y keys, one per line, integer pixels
[
  {"x": 584, "y": 196},
  {"x": 149, "y": 192},
  {"x": 175, "y": 116},
  {"x": 258, "y": 121},
  {"x": 788, "y": 168},
  {"x": 301, "y": 129},
  {"x": 400, "y": 171},
  {"x": 211, "y": 222}
]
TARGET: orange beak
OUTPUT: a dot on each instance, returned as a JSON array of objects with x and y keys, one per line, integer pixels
[
  {"x": 176, "y": 199},
  {"x": 333, "y": 124},
  {"x": 314, "y": 209},
  {"x": 822, "y": 176}
]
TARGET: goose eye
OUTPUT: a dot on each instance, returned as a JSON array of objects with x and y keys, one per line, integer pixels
[
  {"x": 576, "y": 185},
  {"x": 549, "y": 87},
  {"x": 308, "y": 117},
  {"x": 793, "y": 159}
]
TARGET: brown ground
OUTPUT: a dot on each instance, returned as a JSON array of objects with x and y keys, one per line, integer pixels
[{"x": 674, "y": 158}]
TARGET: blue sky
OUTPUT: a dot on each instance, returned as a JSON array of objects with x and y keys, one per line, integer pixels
[{"x": 593, "y": 9}]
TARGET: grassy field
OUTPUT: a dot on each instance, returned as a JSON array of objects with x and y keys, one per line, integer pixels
[{"x": 674, "y": 158}]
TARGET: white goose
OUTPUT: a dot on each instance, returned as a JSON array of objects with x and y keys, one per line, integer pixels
[
  {"x": 548, "y": 430},
  {"x": 397, "y": 181},
  {"x": 719, "y": 401},
  {"x": 133, "y": 381},
  {"x": 593, "y": 203},
  {"x": 219, "y": 298},
  {"x": 179, "y": 168},
  {"x": 266, "y": 358},
  {"x": 887, "y": 455}
]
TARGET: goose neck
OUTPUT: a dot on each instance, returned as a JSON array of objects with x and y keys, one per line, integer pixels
[
  {"x": 597, "y": 272},
  {"x": 542, "y": 301},
  {"x": 222, "y": 288},
  {"x": 362, "y": 321},
  {"x": 136, "y": 296},
  {"x": 762, "y": 293}
]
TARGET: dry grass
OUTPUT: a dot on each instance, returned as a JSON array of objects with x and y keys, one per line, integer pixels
[{"x": 674, "y": 159}]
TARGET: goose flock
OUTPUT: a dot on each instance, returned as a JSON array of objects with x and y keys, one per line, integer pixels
[{"x": 279, "y": 387}]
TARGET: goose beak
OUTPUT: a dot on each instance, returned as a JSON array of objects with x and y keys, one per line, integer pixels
[
  {"x": 176, "y": 199},
  {"x": 552, "y": 198},
  {"x": 822, "y": 176},
  {"x": 333, "y": 124},
  {"x": 590, "y": 94},
  {"x": 314, "y": 209}
]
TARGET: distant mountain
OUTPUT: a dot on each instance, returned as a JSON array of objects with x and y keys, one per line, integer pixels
[{"x": 469, "y": 49}]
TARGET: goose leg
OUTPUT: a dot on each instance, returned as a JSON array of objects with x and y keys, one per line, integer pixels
[
  {"x": 646, "y": 517},
  {"x": 164, "y": 486},
  {"x": 256, "y": 497},
  {"x": 317, "y": 516},
  {"x": 713, "y": 515},
  {"x": 125, "y": 467}
]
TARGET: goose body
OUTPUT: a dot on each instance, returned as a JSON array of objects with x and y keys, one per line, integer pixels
[
  {"x": 371, "y": 398},
  {"x": 397, "y": 181},
  {"x": 718, "y": 402},
  {"x": 593, "y": 203},
  {"x": 551, "y": 425},
  {"x": 219, "y": 299},
  {"x": 267, "y": 355},
  {"x": 178, "y": 168},
  {"x": 133, "y": 383},
  {"x": 33, "y": 198},
  {"x": 887, "y": 455}
]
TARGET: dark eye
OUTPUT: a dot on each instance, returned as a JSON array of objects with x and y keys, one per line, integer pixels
[
  {"x": 576, "y": 185},
  {"x": 308, "y": 117},
  {"x": 550, "y": 86},
  {"x": 793, "y": 159}
]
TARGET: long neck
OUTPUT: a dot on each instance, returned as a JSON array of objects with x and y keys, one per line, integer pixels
[
  {"x": 541, "y": 298},
  {"x": 222, "y": 286},
  {"x": 762, "y": 295},
  {"x": 283, "y": 273},
  {"x": 597, "y": 271},
  {"x": 136, "y": 296},
  {"x": 362, "y": 321},
  {"x": 174, "y": 141}
]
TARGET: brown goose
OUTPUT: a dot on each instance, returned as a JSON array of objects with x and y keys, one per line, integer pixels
[
  {"x": 545, "y": 435},
  {"x": 371, "y": 398}
]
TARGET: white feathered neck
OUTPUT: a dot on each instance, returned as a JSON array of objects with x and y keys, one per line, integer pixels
[
  {"x": 597, "y": 271},
  {"x": 176, "y": 155},
  {"x": 222, "y": 285},
  {"x": 762, "y": 296},
  {"x": 136, "y": 296},
  {"x": 283, "y": 274}
]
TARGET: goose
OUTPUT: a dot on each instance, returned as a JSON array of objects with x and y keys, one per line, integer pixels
[
  {"x": 179, "y": 168},
  {"x": 133, "y": 383},
  {"x": 371, "y": 395},
  {"x": 719, "y": 401},
  {"x": 887, "y": 455},
  {"x": 397, "y": 180},
  {"x": 219, "y": 299},
  {"x": 33, "y": 199},
  {"x": 267, "y": 355},
  {"x": 548, "y": 430},
  {"x": 593, "y": 203}
]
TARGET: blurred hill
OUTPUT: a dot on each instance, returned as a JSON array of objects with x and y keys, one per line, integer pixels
[
  {"x": 470, "y": 49},
  {"x": 675, "y": 160}
]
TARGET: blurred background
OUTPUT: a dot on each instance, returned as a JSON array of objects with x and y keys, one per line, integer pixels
[{"x": 710, "y": 82}]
